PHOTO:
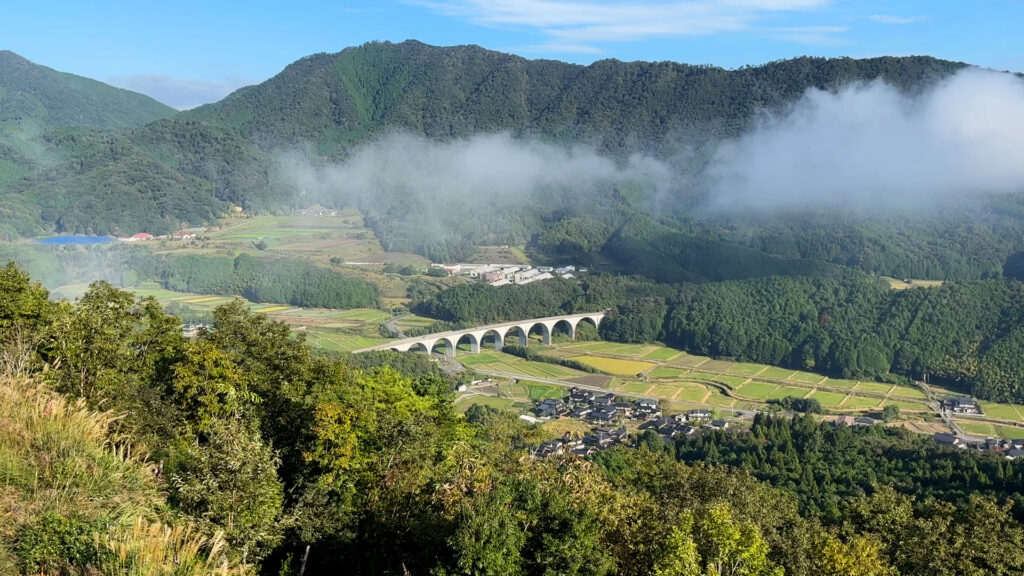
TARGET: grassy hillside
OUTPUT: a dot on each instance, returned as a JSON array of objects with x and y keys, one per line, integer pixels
[{"x": 73, "y": 502}]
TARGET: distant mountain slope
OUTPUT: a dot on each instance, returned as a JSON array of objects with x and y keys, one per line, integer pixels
[
  {"x": 334, "y": 100},
  {"x": 56, "y": 99},
  {"x": 36, "y": 101}
]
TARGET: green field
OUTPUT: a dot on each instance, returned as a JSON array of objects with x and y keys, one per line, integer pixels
[
  {"x": 462, "y": 403},
  {"x": 758, "y": 390},
  {"x": 732, "y": 381},
  {"x": 907, "y": 392},
  {"x": 873, "y": 387},
  {"x": 789, "y": 391},
  {"x": 776, "y": 373},
  {"x": 907, "y": 406},
  {"x": 828, "y": 399},
  {"x": 745, "y": 368},
  {"x": 666, "y": 391},
  {"x": 994, "y": 430},
  {"x": 860, "y": 403},
  {"x": 337, "y": 342},
  {"x": 692, "y": 392},
  {"x": 635, "y": 387},
  {"x": 1002, "y": 411},
  {"x": 489, "y": 359},
  {"x": 665, "y": 372},
  {"x": 838, "y": 383},
  {"x": 662, "y": 354},
  {"x": 538, "y": 391},
  {"x": 807, "y": 378}
]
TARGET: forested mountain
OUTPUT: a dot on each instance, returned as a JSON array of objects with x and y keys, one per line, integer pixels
[
  {"x": 187, "y": 169},
  {"x": 30, "y": 92},
  {"x": 36, "y": 102},
  {"x": 331, "y": 101}
]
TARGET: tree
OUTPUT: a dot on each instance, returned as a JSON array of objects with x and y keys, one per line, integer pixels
[
  {"x": 230, "y": 481},
  {"x": 890, "y": 413}
]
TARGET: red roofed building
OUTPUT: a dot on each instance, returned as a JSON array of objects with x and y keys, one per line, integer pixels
[{"x": 142, "y": 236}]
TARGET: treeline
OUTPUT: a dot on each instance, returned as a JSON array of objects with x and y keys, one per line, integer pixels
[
  {"x": 283, "y": 280},
  {"x": 309, "y": 464},
  {"x": 826, "y": 465},
  {"x": 963, "y": 333}
]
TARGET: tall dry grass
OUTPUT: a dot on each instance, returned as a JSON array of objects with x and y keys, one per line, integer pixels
[{"x": 58, "y": 460}]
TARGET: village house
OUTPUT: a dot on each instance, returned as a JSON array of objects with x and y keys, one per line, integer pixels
[
  {"x": 552, "y": 408},
  {"x": 580, "y": 396},
  {"x": 647, "y": 408},
  {"x": 699, "y": 414},
  {"x": 947, "y": 439},
  {"x": 961, "y": 405}
]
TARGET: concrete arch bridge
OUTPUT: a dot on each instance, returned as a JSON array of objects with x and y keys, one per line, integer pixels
[{"x": 475, "y": 336}]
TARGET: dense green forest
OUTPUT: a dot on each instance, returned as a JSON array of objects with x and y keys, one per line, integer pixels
[
  {"x": 283, "y": 280},
  {"x": 256, "y": 449}
]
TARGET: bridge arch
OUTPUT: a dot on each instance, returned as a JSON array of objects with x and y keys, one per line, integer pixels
[
  {"x": 497, "y": 333},
  {"x": 522, "y": 331},
  {"x": 474, "y": 339},
  {"x": 476, "y": 336},
  {"x": 569, "y": 324}
]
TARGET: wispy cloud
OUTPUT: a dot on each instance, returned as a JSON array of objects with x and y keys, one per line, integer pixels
[
  {"x": 890, "y": 19},
  {"x": 179, "y": 93},
  {"x": 580, "y": 25}
]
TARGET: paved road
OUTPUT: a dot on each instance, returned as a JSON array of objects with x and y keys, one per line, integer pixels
[{"x": 392, "y": 325}]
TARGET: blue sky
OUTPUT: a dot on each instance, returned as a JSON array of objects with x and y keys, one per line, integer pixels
[{"x": 190, "y": 52}]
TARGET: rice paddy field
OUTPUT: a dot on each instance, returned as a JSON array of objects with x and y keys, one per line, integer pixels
[
  {"x": 676, "y": 376},
  {"x": 494, "y": 361},
  {"x": 987, "y": 429}
]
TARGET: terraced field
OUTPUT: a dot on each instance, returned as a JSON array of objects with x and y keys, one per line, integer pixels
[{"x": 615, "y": 365}]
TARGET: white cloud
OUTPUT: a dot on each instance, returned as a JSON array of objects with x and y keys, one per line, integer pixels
[
  {"x": 179, "y": 93},
  {"x": 584, "y": 23},
  {"x": 871, "y": 147},
  {"x": 890, "y": 19}
]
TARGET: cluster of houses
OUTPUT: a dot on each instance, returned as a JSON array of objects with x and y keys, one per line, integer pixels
[
  {"x": 684, "y": 424},
  {"x": 1011, "y": 449},
  {"x": 585, "y": 405},
  {"x": 188, "y": 234},
  {"x": 598, "y": 440},
  {"x": 502, "y": 274}
]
